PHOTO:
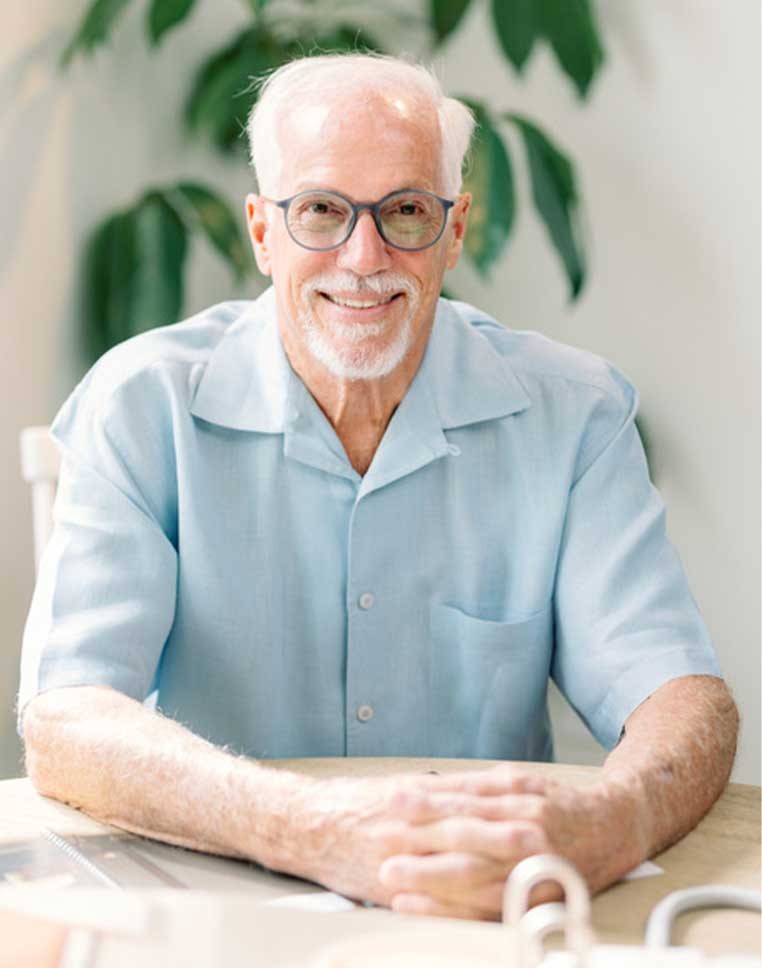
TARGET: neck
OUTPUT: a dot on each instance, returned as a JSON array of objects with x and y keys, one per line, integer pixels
[{"x": 358, "y": 410}]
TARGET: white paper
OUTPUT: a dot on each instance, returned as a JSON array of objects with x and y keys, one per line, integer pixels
[
  {"x": 646, "y": 869},
  {"x": 314, "y": 901}
]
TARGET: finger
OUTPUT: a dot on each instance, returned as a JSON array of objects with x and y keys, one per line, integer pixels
[
  {"x": 482, "y": 903},
  {"x": 507, "y": 841},
  {"x": 417, "y": 807},
  {"x": 497, "y": 780},
  {"x": 544, "y": 892},
  {"x": 504, "y": 778},
  {"x": 444, "y": 876},
  {"x": 488, "y": 899},
  {"x": 423, "y": 904}
]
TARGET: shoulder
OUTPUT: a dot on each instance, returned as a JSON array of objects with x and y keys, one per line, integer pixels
[
  {"x": 547, "y": 366},
  {"x": 138, "y": 389},
  {"x": 153, "y": 373},
  {"x": 173, "y": 354}
]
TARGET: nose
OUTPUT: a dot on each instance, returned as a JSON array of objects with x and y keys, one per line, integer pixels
[{"x": 364, "y": 252}]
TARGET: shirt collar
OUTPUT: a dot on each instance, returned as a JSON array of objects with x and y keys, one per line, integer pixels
[
  {"x": 248, "y": 383},
  {"x": 469, "y": 380},
  {"x": 246, "y": 380}
]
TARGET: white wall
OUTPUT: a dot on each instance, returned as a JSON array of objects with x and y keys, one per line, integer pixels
[
  {"x": 668, "y": 152},
  {"x": 73, "y": 147}
]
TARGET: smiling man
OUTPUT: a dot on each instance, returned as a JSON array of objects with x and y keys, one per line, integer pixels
[
  {"x": 353, "y": 518},
  {"x": 356, "y": 286}
]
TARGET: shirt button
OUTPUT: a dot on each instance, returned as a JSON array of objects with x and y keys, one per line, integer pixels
[
  {"x": 364, "y": 713},
  {"x": 453, "y": 449},
  {"x": 366, "y": 600}
]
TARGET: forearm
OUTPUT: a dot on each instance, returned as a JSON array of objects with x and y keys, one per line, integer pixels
[
  {"x": 125, "y": 765},
  {"x": 670, "y": 766},
  {"x": 674, "y": 759}
]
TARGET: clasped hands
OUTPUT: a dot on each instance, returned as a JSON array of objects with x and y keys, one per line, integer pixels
[{"x": 444, "y": 845}]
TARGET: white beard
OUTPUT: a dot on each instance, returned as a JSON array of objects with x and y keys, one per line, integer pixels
[
  {"x": 352, "y": 360},
  {"x": 348, "y": 350}
]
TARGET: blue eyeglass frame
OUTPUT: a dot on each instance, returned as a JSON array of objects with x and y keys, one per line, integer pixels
[{"x": 357, "y": 207}]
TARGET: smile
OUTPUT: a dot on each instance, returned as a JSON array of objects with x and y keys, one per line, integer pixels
[{"x": 360, "y": 303}]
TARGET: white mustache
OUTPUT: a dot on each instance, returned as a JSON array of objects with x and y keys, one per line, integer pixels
[
  {"x": 330, "y": 342},
  {"x": 383, "y": 284}
]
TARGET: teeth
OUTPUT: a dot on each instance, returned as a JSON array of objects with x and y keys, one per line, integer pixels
[{"x": 358, "y": 304}]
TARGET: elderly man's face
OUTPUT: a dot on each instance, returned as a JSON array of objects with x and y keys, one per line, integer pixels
[{"x": 364, "y": 151}]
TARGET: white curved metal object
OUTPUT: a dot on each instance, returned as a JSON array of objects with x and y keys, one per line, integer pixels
[
  {"x": 572, "y": 917},
  {"x": 40, "y": 464},
  {"x": 662, "y": 918}
]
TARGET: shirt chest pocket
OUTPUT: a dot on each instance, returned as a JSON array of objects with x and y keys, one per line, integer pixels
[{"x": 488, "y": 684}]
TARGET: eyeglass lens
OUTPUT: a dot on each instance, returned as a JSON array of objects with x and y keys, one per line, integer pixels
[{"x": 409, "y": 220}]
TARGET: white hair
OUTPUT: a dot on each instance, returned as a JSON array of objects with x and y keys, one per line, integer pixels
[{"x": 337, "y": 75}]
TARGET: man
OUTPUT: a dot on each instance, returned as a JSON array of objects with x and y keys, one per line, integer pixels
[{"x": 354, "y": 519}]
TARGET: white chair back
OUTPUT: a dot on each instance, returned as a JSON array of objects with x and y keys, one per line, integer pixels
[{"x": 40, "y": 463}]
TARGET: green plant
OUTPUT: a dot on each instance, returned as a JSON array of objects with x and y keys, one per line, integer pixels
[{"x": 134, "y": 264}]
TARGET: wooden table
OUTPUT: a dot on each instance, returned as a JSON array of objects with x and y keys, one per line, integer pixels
[{"x": 723, "y": 849}]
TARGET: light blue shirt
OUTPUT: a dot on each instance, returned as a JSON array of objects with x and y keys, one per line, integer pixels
[{"x": 212, "y": 542}]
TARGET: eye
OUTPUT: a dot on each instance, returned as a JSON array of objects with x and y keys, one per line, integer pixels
[
  {"x": 318, "y": 208},
  {"x": 410, "y": 208}
]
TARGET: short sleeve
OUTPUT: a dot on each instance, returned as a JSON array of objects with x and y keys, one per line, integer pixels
[
  {"x": 626, "y": 621},
  {"x": 104, "y": 600}
]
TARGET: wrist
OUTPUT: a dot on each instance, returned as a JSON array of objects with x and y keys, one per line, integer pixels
[
  {"x": 602, "y": 829},
  {"x": 271, "y": 811},
  {"x": 624, "y": 802}
]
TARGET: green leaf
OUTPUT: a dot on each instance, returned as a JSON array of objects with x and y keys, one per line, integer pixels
[
  {"x": 645, "y": 439},
  {"x": 345, "y": 37},
  {"x": 163, "y": 15},
  {"x": 489, "y": 179},
  {"x": 133, "y": 273},
  {"x": 517, "y": 28},
  {"x": 554, "y": 192},
  {"x": 208, "y": 211},
  {"x": 109, "y": 265},
  {"x": 157, "y": 287},
  {"x": 257, "y": 6},
  {"x": 94, "y": 28},
  {"x": 446, "y": 15},
  {"x": 570, "y": 27},
  {"x": 222, "y": 94}
]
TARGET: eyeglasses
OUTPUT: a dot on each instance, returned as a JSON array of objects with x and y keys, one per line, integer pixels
[{"x": 410, "y": 219}]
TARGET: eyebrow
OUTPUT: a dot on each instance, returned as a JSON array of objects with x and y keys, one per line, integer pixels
[{"x": 317, "y": 186}]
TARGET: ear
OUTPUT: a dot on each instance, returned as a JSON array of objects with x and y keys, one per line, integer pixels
[
  {"x": 258, "y": 224},
  {"x": 459, "y": 219}
]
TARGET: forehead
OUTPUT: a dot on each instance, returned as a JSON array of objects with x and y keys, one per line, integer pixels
[{"x": 364, "y": 146}]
